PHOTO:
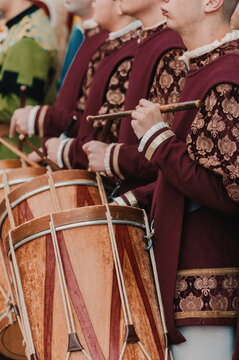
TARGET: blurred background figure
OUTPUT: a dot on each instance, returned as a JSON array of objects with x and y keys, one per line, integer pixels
[
  {"x": 28, "y": 56},
  {"x": 235, "y": 19},
  {"x": 82, "y": 19},
  {"x": 58, "y": 20}
]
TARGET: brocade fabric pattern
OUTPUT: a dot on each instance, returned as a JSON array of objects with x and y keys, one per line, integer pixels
[
  {"x": 206, "y": 293},
  {"x": 104, "y": 50},
  {"x": 168, "y": 81},
  {"x": 214, "y": 135}
]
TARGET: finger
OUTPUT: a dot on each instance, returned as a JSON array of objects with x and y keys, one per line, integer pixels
[
  {"x": 145, "y": 103},
  {"x": 12, "y": 127},
  {"x": 85, "y": 147}
]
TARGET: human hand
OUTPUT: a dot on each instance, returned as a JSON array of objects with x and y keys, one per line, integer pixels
[
  {"x": 19, "y": 121},
  {"x": 52, "y": 146},
  {"x": 95, "y": 151},
  {"x": 146, "y": 115}
]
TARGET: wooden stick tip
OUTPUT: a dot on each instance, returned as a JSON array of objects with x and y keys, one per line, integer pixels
[
  {"x": 23, "y": 88},
  {"x": 89, "y": 118},
  {"x": 198, "y": 104},
  {"x": 21, "y": 137}
]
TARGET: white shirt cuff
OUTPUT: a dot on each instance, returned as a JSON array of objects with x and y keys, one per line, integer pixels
[
  {"x": 120, "y": 201},
  {"x": 150, "y": 133},
  {"x": 31, "y": 120},
  {"x": 107, "y": 160},
  {"x": 59, "y": 152}
]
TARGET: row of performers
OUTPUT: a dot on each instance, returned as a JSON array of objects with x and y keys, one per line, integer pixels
[{"x": 183, "y": 169}]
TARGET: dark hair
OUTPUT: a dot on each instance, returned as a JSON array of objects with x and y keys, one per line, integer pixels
[{"x": 228, "y": 9}]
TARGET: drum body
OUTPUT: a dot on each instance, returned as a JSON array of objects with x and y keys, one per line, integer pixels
[
  {"x": 10, "y": 335},
  {"x": 70, "y": 189},
  {"x": 90, "y": 273},
  {"x": 11, "y": 340}
]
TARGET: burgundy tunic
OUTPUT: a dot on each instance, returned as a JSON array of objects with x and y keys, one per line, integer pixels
[
  {"x": 133, "y": 168},
  {"x": 202, "y": 237},
  {"x": 54, "y": 119},
  {"x": 76, "y": 157}
]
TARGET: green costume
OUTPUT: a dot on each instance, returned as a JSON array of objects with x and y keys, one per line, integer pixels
[{"x": 28, "y": 57}]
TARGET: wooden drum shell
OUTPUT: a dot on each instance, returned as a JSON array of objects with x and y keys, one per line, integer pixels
[
  {"x": 74, "y": 188},
  {"x": 87, "y": 258}
]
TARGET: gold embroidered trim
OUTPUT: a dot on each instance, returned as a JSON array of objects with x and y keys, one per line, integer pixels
[
  {"x": 205, "y": 314},
  {"x": 156, "y": 142},
  {"x": 65, "y": 154},
  {"x": 198, "y": 272},
  {"x": 131, "y": 199},
  {"x": 41, "y": 119},
  {"x": 116, "y": 162}
]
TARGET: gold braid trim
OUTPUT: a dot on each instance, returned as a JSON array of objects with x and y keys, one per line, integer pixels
[
  {"x": 208, "y": 272},
  {"x": 205, "y": 314},
  {"x": 41, "y": 119},
  {"x": 156, "y": 142},
  {"x": 65, "y": 154},
  {"x": 116, "y": 161},
  {"x": 131, "y": 199}
]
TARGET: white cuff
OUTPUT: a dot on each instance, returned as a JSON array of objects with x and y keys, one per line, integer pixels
[
  {"x": 120, "y": 201},
  {"x": 107, "y": 160},
  {"x": 150, "y": 133},
  {"x": 59, "y": 152},
  {"x": 31, "y": 120}
]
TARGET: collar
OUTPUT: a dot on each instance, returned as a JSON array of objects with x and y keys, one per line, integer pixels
[
  {"x": 89, "y": 24},
  {"x": 154, "y": 26},
  {"x": 188, "y": 55},
  {"x": 20, "y": 16},
  {"x": 132, "y": 26}
]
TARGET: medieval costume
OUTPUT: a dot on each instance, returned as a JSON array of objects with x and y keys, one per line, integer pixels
[
  {"x": 106, "y": 94},
  {"x": 53, "y": 120},
  {"x": 159, "y": 77},
  {"x": 28, "y": 56},
  {"x": 195, "y": 208}
]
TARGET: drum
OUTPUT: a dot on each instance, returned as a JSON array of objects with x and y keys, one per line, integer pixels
[
  {"x": 11, "y": 340},
  {"x": 61, "y": 190},
  {"x": 70, "y": 253},
  {"x": 10, "y": 335},
  {"x": 18, "y": 176}
]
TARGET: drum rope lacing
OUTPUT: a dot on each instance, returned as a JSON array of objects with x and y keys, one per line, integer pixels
[
  {"x": 18, "y": 303},
  {"x": 120, "y": 277},
  {"x": 61, "y": 275},
  {"x": 149, "y": 235}
]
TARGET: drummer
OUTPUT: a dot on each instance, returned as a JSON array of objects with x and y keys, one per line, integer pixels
[
  {"x": 195, "y": 204},
  {"x": 28, "y": 56},
  {"x": 159, "y": 76},
  {"x": 119, "y": 50}
]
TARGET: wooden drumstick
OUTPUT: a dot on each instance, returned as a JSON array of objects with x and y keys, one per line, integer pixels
[
  {"x": 19, "y": 153},
  {"x": 163, "y": 108},
  {"x": 51, "y": 163},
  {"x": 23, "y": 90}
]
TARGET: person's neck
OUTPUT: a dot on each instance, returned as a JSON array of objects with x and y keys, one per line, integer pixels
[
  {"x": 16, "y": 8},
  {"x": 121, "y": 23},
  {"x": 151, "y": 17},
  {"x": 204, "y": 35},
  {"x": 87, "y": 15}
]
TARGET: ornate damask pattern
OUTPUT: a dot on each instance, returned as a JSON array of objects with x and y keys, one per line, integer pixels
[
  {"x": 115, "y": 96},
  {"x": 168, "y": 81},
  {"x": 104, "y": 50},
  {"x": 206, "y": 293},
  {"x": 213, "y": 139},
  {"x": 145, "y": 33}
]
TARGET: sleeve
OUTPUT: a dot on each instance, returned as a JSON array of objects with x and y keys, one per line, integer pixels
[
  {"x": 73, "y": 156},
  {"x": 140, "y": 197},
  {"x": 125, "y": 161},
  {"x": 25, "y": 63},
  {"x": 195, "y": 168},
  {"x": 168, "y": 81}
]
